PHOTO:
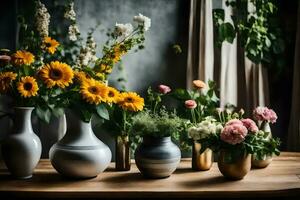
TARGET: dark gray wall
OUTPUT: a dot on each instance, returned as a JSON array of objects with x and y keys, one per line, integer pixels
[{"x": 156, "y": 64}]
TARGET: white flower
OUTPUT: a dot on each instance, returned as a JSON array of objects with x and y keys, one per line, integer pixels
[
  {"x": 70, "y": 13},
  {"x": 73, "y": 32},
  {"x": 42, "y": 18},
  {"x": 123, "y": 30},
  {"x": 143, "y": 20},
  {"x": 204, "y": 128}
]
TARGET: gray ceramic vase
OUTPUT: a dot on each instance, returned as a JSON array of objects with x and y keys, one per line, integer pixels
[
  {"x": 22, "y": 148},
  {"x": 79, "y": 154},
  {"x": 157, "y": 157}
]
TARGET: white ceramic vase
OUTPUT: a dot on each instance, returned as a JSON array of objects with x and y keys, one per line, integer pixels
[
  {"x": 79, "y": 154},
  {"x": 22, "y": 148}
]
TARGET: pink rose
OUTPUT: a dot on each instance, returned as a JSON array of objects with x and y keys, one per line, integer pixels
[
  {"x": 264, "y": 114},
  {"x": 164, "y": 89},
  {"x": 234, "y": 121},
  {"x": 234, "y": 134},
  {"x": 190, "y": 104},
  {"x": 250, "y": 125}
]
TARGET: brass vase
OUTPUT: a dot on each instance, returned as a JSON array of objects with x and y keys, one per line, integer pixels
[
  {"x": 261, "y": 163},
  {"x": 203, "y": 161},
  {"x": 236, "y": 169},
  {"x": 123, "y": 161}
]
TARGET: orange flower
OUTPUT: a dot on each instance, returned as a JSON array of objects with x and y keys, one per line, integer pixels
[{"x": 198, "y": 84}]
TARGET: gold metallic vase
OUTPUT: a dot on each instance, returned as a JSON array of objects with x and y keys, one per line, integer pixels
[
  {"x": 203, "y": 161},
  {"x": 123, "y": 161},
  {"x": 237, "y": 169},
  {"x": 257, "y": 163}
]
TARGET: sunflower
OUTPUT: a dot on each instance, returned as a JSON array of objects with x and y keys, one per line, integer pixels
[
  {"x": 23, "y": 58},
  {"x": 56, "y": 73},
  {"x": 131, "y": 101},
  {"x": 5, "y": 80},
  {"x": 93, "y": 91},
  {"x": 50, "y": 45},
  {"x": 117, "y": 54},
  {"x": 28, "y": 87},
  {"x": 104, "y": 68},
  {"x": 81, "y": 76},
  {"x": 113, "y": 95}
]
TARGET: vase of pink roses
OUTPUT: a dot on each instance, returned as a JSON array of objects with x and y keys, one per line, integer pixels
[
  {"x": 264, "y": 116},
  {"x": 239, "y": 138}
]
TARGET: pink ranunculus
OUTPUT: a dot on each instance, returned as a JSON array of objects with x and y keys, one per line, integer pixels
[
  {"x": 234, "y": 121},
  {"x": 250, "y": 125},
  {"x": 190, "y": 104},
  {"x": 234, "y": 133},
  {"x": 264, "y": 114},
  {"x": 164, "y": 89}
]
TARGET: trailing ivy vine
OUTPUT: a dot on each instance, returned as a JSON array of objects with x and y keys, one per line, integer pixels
[{"x": 257, "y": 29}]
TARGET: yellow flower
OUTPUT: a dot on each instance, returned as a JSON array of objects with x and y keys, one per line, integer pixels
[
  {"x": 118, "y": 53},
  {"x": 81, "y": 76},
  {"x": 23, "y": 58},
  {"x": 5, "y": 80},
  {"x": 93, "y": 91},
  {"x": 56, "y": 73},
  {"x": 113, "y": 95},
  {"x": 131, "y": 101},
  {"x": 103, "y": 68},
  {"x": 50, "y": 45},
  {"x": 27, "y": 87},
  {"x": 101, "y": 76}
]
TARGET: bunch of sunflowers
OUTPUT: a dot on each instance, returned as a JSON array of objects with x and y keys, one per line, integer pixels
[{"x": 39, "y": 76}]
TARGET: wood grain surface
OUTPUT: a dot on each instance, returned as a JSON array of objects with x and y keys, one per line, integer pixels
[{"x": 281, "y": 178}]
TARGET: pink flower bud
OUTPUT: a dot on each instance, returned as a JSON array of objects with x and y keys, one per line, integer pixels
[
  {"x": 164, "y": 89},
  {"x": 190, "y": 104}
]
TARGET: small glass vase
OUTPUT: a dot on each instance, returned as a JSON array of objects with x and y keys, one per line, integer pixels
[
  {"x": 203, "y": 161},
  {"x": 123, "y": 160}
]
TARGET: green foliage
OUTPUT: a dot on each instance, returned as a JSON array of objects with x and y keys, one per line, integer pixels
[
  {"x": 259, "y": 32},
  {"x": 162, "y": 124}
]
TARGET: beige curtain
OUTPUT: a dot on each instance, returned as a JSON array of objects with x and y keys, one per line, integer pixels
[
  {"x": 201, "y": 52},
  {"x": 294, "y": 127},
  {"x": 241, "y": 82}
]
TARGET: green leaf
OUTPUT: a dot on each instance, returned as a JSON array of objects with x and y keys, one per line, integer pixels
[
  {"x": 57, "y": 112},
  {"x": 226, "y": 32},
  {"x": 102, "y": 111},
  {"x": 43, "y": 114}
]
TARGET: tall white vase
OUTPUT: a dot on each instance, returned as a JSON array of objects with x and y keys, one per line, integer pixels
[
  {"x": 21, "y": 150},
  {"x": 79, "y": 154}
]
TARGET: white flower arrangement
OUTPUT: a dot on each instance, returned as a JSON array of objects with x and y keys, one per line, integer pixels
[
  {"x": 42, "y": 19},
  {"x": 123, "y": 30},
  {"x": 204, "y": 129},
  {"x": 143, "y": 20}
]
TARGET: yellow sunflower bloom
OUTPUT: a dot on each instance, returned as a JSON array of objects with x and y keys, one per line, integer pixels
[
  {"x": 56, "y": 73},
  {"x": 50, "y": 45},
  {"x": 113, "y": 95},
  {"x": 28, "y": 87},
  {"x": 5, "y": 80},
  {"x": 103, "y": 68},
  {"x": 118, "y": 53},
  {"x": 22, "y": 58},
  {"x": 93, "y": 91},
  {"x": 131, "y": 101},
  {"x": 81, "y": 76}
]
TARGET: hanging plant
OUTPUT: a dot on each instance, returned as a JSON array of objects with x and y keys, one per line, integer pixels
[{"x": 255, "y": 24}]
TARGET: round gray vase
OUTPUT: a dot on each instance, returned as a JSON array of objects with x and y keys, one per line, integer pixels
[
  {"x": 157, "y": 157},
  {"x": 22, "y": 148},
  {"x": 79, "y": 154}
]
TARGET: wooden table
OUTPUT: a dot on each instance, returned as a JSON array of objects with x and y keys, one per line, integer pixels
[{"x": 281, "y": 178}]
